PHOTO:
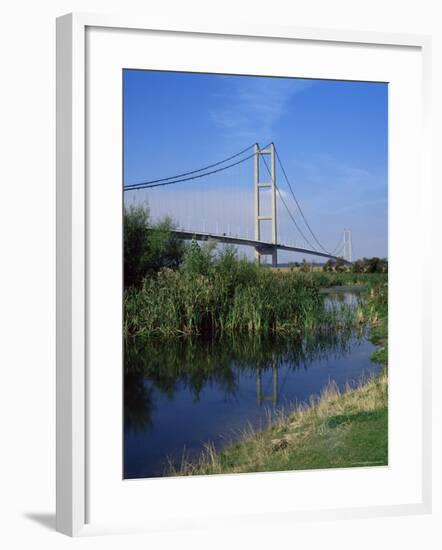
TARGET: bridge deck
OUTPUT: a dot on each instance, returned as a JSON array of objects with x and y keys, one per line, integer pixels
[{"x": 261, "y": 246}]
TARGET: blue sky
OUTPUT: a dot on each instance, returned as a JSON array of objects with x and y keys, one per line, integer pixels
[{"x": 331, "y": 136}]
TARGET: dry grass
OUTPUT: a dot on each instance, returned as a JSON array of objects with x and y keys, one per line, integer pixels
[{"x": 336, "y": 429}]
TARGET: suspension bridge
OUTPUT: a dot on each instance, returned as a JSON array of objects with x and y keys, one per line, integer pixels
[{"x": 267, "y": 199}]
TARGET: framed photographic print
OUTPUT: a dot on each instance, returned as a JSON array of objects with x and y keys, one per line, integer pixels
[{"x": 233, "y": 279}]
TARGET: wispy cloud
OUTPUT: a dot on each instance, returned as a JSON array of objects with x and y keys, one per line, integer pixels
[
  {"x": 329, "y": 184},
  {"x": 250, "y": 110},
  {"x": 362, "y": 205}
]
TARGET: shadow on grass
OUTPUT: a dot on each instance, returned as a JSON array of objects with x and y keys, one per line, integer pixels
[{"x": 363, "y": 416}]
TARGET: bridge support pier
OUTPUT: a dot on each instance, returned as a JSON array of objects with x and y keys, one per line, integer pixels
[{"x": 267, "y": 250}]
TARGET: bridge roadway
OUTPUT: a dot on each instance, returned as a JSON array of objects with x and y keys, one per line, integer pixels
[{"x": 260, "y": 246}]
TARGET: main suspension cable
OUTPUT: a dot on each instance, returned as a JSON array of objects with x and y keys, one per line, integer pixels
[
  {"x": 144, "y": 184},
  {"x": 297, "y": 203},
  {"x": 287, "y": 208}
]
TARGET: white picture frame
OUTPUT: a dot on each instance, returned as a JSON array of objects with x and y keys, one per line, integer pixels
[{"x": 75, "y": 475}]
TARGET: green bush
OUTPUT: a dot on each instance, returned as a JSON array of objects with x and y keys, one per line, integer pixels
[{"x": 148, "y": 247}]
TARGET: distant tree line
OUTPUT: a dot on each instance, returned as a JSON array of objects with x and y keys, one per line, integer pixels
[
  {"x": 151, "y": 246},
  {"x": 365, "y": 265}
]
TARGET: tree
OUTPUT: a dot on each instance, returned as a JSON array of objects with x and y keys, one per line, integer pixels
[
  {"x": 198, "y": 259},
  {"x": 305, "y": 267},
  {"x": 340, "y": 266},
  {"x": 227, "y": 260},
  {"x": 329, "y": 265},
  {"x": 167, "y": 250},
  {"x": 370, "y": 265},
  {"x": 376, "y": 265},
  {"x": 148, "y": 247},
  {"x": 358, "y": 266},
  {"x": 136, "y": 246}
]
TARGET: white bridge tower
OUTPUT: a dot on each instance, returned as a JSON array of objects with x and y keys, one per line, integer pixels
[
  {"x": 259, "y": 215},
  {"x": 348, "y": 252}
]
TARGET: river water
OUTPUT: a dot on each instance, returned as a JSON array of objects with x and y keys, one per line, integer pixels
[{"x": 180, "y": 395}]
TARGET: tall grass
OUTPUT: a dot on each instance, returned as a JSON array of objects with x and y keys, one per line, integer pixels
[
  {"x": 375, "y": 313},
  {"x": 243, "y": 299},
  {"x": 332, "y": 279}
]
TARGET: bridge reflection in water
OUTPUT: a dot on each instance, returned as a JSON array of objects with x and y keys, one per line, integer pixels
[{"x": 181, "y": 393}]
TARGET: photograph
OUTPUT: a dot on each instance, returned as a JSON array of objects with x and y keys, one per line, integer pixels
[
  {"x": 225, "y": 252},
  {"x": 255, "y": 278}
]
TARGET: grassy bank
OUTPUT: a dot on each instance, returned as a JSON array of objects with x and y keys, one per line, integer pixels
[{"x": 336, "y": 429}]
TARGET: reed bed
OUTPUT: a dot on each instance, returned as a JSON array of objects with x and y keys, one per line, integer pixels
[{"x": 242, "y": 300}]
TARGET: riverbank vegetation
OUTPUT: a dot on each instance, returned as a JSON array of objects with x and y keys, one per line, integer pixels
[
  {"x": 334, "y": 430},
  {"x": 148, "y": 247},
  {"x": 232, "y": 297},
  {"x": 338, "y": 430},
  {"x": 363, "y": 265},
  {"x": 173, "y": 289},
  {"x": 193, "y": 295}
]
